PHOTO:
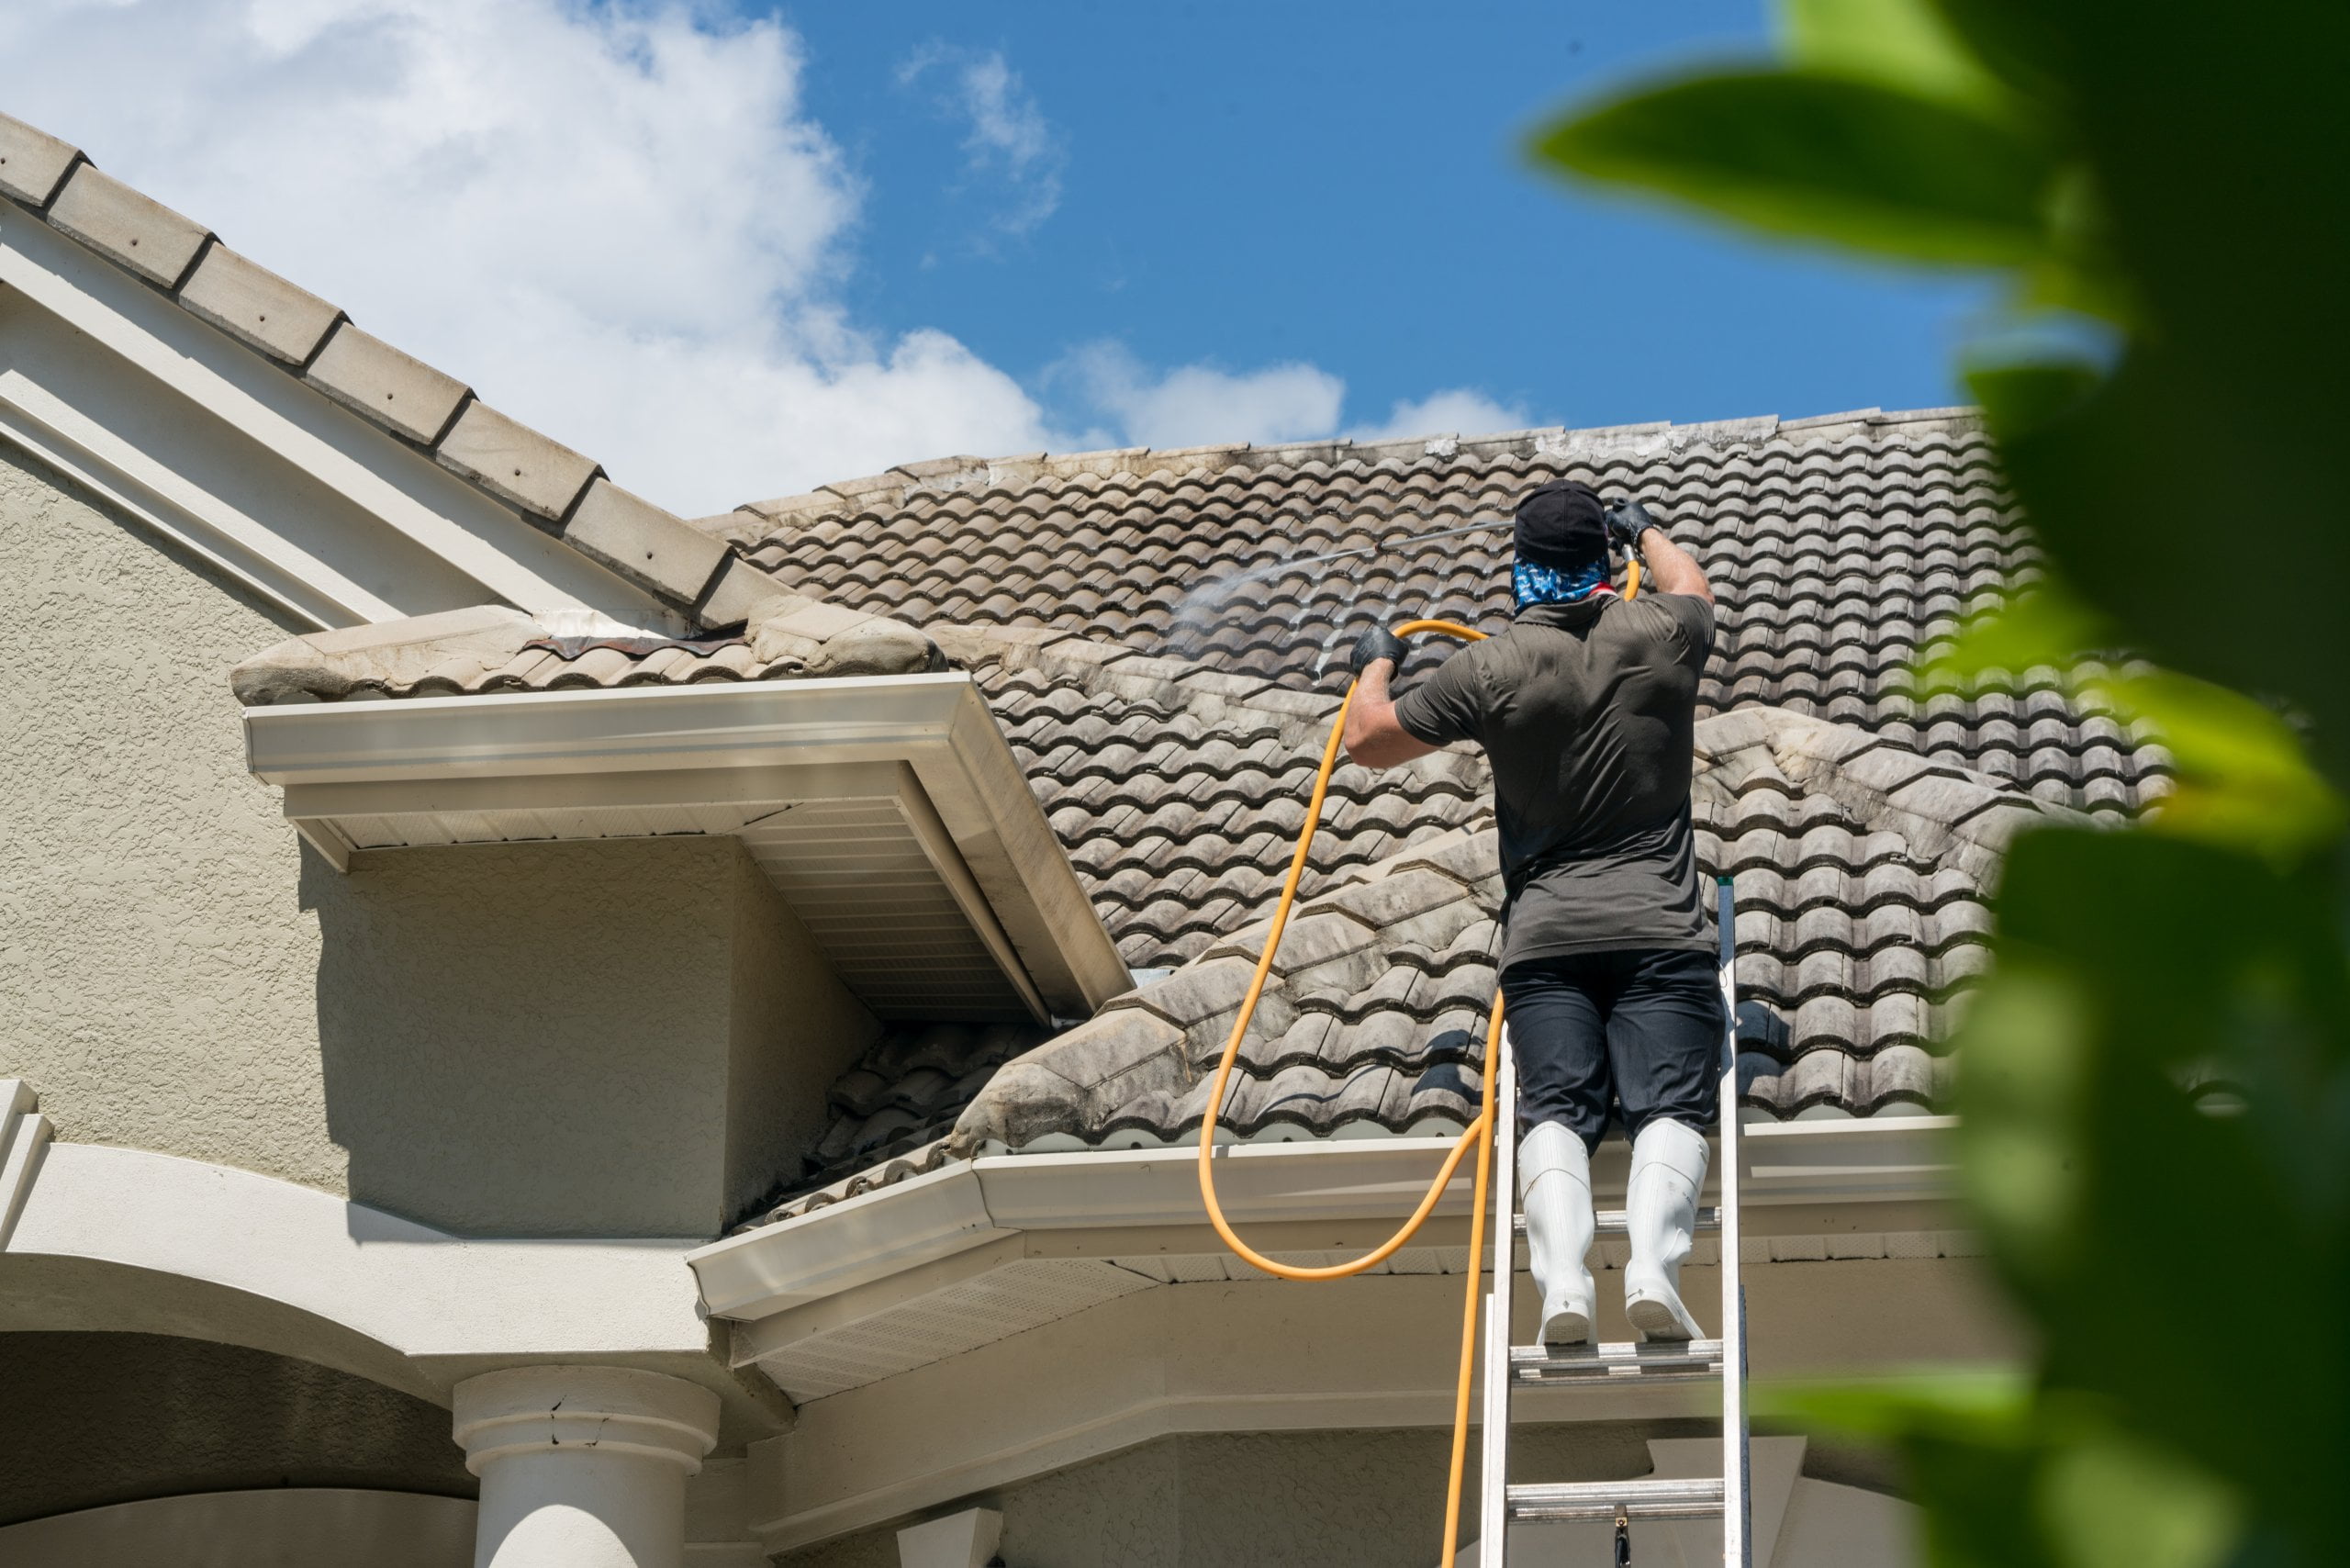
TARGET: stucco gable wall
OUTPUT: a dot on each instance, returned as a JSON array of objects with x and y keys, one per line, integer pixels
[
  {"x": 621, "y": 1037},
  {"x": 156, "y": 985}
]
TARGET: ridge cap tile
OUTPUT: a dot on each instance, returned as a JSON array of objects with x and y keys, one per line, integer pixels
[
  {"x": 33, "y": 164},
  {"x": 299, "y": 331},
  {"x": 127, "y": 226}
]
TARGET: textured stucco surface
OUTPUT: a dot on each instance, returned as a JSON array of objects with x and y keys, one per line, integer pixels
[
  {"x": 100, "y": 1418},
  {"x": 156, "y": 967},
  {"x": 530, "y": 1038},
  {"x": 626, "y": 1037},
  {"x": 1343, "y": 1499},
  {"x": 795, "y": 1029},
  {"x": 541, "y": 1038}
]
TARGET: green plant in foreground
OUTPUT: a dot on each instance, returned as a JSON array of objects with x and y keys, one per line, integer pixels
[{"x": 2166, "y": 186}]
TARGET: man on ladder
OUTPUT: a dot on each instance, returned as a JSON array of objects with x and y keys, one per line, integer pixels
[{"x": 1586, "y": 708}]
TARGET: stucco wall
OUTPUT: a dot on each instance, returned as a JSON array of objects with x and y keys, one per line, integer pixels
[
  {"x": 605, "y": 1039},
  {"x": 795, "y": 1030},
  {"x": 100, "y": 1418},
  {"x": 156, "y": 979},
  {"x": 1361, "y": 1499},
  {"x": 530, "y": 1039},
  {"x": 615, "y": 1038}
]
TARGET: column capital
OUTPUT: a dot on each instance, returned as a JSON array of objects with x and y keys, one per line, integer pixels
[{"x": 584, "y": 1409}]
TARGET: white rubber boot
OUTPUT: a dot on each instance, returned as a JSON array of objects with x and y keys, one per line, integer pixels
[
  {"x": 1660, "y": 1213},
  {"x": 1554, "y": 1186}
]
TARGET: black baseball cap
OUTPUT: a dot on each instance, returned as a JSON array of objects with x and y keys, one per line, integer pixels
[{"x": 1562, "y": 526}]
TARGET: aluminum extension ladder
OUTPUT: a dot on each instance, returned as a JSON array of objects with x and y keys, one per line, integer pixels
[{"x": 1508, "y": 1365}]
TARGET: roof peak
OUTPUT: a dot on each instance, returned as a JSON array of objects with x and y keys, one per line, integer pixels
[{"x": 560, "y": 491}]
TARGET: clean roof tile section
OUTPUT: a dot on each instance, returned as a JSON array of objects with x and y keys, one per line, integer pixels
[
  {"x": 1841, "y": 548},
  {"x": 1179, "y": 790},
  {"x": 1861, "y": 869},
  {"x": 546, "y": 483}
]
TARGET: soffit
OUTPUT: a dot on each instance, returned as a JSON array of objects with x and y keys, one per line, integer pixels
[{"x": 875, "y": 805}]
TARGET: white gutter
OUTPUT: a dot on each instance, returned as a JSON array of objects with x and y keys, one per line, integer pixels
[
  {"x": 769, "y": 742},
  {"x": 898, "y": 1227}
]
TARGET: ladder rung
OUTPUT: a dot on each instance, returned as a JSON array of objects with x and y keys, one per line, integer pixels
[
  {"x": 1700, "y": 1499},
  {"x": 1658, "y": 1361},
  {"x": 1610, "y": 1222}
]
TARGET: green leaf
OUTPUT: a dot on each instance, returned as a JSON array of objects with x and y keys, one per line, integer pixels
[
  {"x": 2195, "y": 496},
  {"x": 2135, "y": 1226},
  {"x": 1973, "y": 1448},
  {"x": 2178, "y": 532},
  {"x": 1906, "y": 44},
  {"x": 2108, "y": 1500},
  {"x": 1985, "y": 1404},
  {"x": 2014, "y": 43},
  {"x": 2012, "y": 1478},
  {"x": 1826, "y": 158},
  {"x": 2045, "y": 625},
  {"x": 2023, "y": 1096},
  {"x": 2243, "y": 778}
]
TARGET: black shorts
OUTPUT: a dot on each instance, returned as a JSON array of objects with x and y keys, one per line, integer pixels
[{"x": 1640, "y": 1028}]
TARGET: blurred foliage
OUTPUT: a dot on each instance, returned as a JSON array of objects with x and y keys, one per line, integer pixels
[{"x": 2155, "y": 1084}]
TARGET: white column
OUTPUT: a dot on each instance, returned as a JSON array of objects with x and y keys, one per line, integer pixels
[{"x": 582, "y": 1467}]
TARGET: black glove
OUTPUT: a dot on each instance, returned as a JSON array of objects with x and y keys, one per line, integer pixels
[
  {"x": 1377, "y": 643},
  {"x": 1626, "y": 521}
]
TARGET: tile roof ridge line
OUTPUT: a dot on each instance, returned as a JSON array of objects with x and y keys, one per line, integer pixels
[
  {"x": 558, "y": 490},
  {"x": 910, "y": 480}
]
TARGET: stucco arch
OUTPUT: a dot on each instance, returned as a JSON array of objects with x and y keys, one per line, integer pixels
[
  {"x": 128, "y": 1239},
  {"x": 311, "y": 1528}
]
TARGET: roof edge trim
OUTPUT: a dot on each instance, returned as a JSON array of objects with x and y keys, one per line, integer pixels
[{"x": 968, "y": 1205}]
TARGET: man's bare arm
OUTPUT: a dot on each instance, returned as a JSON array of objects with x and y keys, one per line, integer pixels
[
  {"x": 1668, "y": 568},
  {"x": 1373, "y": 738}
]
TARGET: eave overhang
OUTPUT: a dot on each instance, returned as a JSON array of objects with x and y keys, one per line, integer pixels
[
  {"x": 1314, "y": 1196},
  {"x": 1005, "y": 1317},
  {"x": 888, "y": 810}
]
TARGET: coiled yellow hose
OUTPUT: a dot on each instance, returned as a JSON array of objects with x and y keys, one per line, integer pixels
[{"x": 1479, "y": 1132}]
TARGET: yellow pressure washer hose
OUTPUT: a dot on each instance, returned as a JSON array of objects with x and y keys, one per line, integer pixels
[{"x": 1479, "y": 1131}]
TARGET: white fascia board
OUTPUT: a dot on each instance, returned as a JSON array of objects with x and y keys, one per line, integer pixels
[
  {"x": 179, "y": 363},
  {"x": 34, "y": 420},
  {"x": 559, "y": 748},
  {"x": 880, "y": 1233},
  {"x": 509, "y": 735}
]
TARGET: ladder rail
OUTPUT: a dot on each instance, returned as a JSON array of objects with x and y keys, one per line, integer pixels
[
  {"x": 1731, "y": 1497},
  {"x": 1737, "y": 1545},
  {"x": 1492, "y": 1476}
]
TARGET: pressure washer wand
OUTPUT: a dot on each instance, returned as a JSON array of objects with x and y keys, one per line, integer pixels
[{"x": 1626, "y": 521}]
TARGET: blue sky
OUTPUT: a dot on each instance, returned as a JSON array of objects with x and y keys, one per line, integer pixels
[
  {"x": 735, "y": 254},
  {"x": 1340, "y": 185}
]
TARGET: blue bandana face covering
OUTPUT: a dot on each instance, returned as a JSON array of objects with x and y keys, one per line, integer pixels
[{"x": 1541, "y": 585}]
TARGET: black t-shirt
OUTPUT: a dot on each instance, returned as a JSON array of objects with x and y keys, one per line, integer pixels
[{"x": 1588, "y": 714}]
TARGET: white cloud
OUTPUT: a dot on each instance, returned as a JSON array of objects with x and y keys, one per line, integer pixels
[
  {"x": 617, "y": 222},
  {"x": 1461, "y": 411},
  {"x": 1007, "y": 138},
  {"x": 1194, "y": 405}
]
